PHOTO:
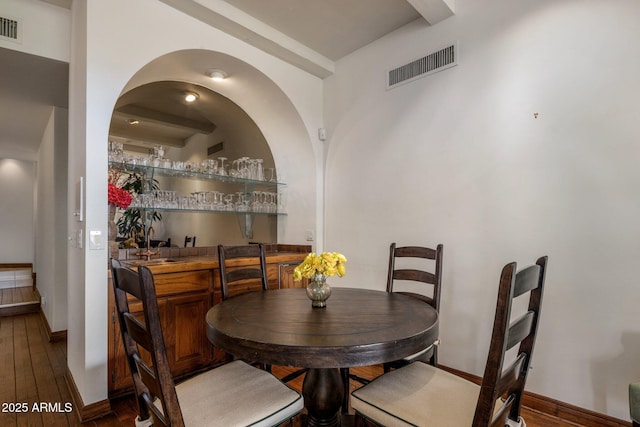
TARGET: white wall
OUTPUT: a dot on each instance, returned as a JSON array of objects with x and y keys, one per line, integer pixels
[
  {"x": 17, "y": 189},
  {"x": 50, "y": 251},
  {"x": 285, "y": 103},
  {"x": 458, "y": 158},
  {"x": 46, "y": 29},
  {"x": 18, "y": 180}
]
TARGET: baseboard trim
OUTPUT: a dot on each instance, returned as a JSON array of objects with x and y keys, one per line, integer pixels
[
  {"x": 53, "y": 336},
  {"x": 546, "y": 405},
  {"x": 571, "y": 413},
  {"x": 85, "y": 412}
]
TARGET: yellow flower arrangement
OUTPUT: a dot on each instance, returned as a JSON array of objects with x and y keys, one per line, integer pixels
[{"x": 327, "y": 264}]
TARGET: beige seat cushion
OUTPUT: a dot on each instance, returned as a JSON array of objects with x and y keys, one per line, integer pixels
[
  {"x": 236, "y": 395},
  {"x": 418, "y": 395}
]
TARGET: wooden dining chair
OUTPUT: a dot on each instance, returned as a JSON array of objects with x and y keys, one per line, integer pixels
[
  {"x": 189, "y": 239},
  {"x": 246, "y": 279},
  {"x": 401, "y": 278},
  {"x": 415, "y": 271},
  {"x": 235, "y": 394},
  {"x": 634, "y": 403},
  {"x": 244, "y": 276},
  {"x": 420, "y": 394}
]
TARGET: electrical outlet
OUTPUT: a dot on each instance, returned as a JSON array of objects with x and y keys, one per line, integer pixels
[{"x": 309, "y": 234}]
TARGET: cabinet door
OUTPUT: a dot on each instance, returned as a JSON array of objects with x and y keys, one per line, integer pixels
[
  {"x": 285, "y": 277},
  {"x": 188, "y": 347}
]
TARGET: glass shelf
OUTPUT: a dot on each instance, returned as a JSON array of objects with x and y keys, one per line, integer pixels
[
  {"x": 245, "y": 218},
  {"x": 190, "y": 174},
  {"x": 211, "y": 211}
]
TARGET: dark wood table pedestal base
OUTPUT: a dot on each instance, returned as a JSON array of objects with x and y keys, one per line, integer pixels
[{"x": 323, "y": 393}]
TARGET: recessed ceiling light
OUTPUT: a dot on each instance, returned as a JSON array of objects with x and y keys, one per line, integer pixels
[
  {"x": 216, "y": 74},
  {"x": 191, "y": 96}
]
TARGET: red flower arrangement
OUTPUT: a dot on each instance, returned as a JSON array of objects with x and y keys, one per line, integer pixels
[{"x": 117, "y": 196}]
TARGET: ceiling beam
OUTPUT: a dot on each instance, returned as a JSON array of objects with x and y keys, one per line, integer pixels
[
  {"x": 62, "y": 3},
  {"x": 239, "y": 24},
  {"x": 434, "y": 11},
  {"x": 153, "y": 116},
  {"x": 146, "y": 141}
]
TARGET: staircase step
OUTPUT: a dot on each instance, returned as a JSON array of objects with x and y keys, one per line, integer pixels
[{"x": 19, "y": 308}]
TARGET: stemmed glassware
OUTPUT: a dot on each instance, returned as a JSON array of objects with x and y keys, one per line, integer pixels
[
  {"x": 218, "y": 202},
  {"x": 116, "y": 151},
  {"x": 229, "y": 203},
  {"x": 242, "y": 168},
  {"x": 259, "y": 170},
  {"x": 221, "y": 170},
  {"x": 271, "y": 174},
  {"x": 256, "y": 202}
]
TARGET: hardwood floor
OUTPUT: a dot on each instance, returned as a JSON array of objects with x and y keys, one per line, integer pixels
[{"x": 32, "y": 373}]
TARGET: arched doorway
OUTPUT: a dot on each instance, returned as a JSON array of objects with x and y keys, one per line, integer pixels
[
  {"x": 272, "y": 111},
  {"x": 231, "y": 164}
]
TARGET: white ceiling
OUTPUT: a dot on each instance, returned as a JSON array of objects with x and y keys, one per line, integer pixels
[
  {"x": 333, "y": 28},
  {"x": 310, "y": 34},
  {"x": 30, "y": 86}
]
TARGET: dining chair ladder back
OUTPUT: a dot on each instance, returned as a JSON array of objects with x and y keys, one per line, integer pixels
[
  {"x": 507, "y": 382},
  {"x": 249, "y": 273},
  {"x": 152, "y": 380},
  {"x": 121, "y": 290},
  {"x": 420, "y": 394},
  {"x": 430, "y": 293},
  {"x": 190, "y": 239},
  {"x": 634, "y": 403},
  {"x": 243, "y": 278},
  {"x": 235, "y": 394}
]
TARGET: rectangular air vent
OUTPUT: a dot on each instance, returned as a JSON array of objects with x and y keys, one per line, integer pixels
[
  {"x": 10, "y": 29},
  {"x": 429, "y": 64},
  {"x": 215, "y": 148}
]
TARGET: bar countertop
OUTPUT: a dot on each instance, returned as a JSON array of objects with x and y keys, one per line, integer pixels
[{"x": 160, "y": 264}]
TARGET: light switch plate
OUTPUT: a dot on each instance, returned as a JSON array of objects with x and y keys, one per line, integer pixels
[{"x": 96, "y": 240}]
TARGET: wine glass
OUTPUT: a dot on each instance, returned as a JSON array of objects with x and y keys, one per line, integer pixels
[
  {"x": 221, "y": 169},
  {"x": 259, "y": 174},
  {"x": 271, "y": 173},
  {"x": 229, "y": 202}
]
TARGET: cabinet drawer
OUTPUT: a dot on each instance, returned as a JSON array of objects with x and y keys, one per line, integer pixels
[{"x": 180, "y": 283}]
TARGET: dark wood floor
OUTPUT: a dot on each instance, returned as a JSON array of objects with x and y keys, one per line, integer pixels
[{"x": 32, "y": 372}]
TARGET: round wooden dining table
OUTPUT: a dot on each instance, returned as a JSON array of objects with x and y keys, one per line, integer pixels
[{"x": 358, "y": 327}]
